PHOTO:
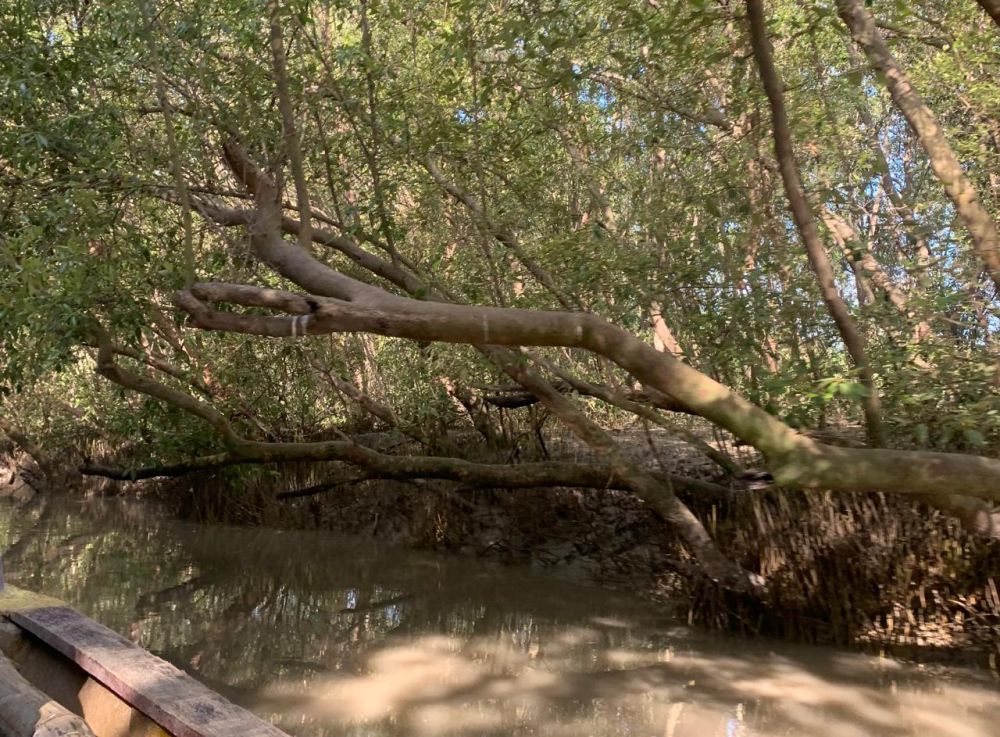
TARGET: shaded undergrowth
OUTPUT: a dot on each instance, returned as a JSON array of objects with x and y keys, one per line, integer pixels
[
  {"x": 859, "y": 570},
  {"x": 864, "y": 570},
  {"x": 846, "y": 570}
]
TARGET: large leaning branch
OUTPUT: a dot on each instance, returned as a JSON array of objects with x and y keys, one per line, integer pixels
[
  {"x": 338, "y": 303},
  {"x": 796, "y": 460},
  {"x": 656, "y": 491},
  {"x": 297, "y": 264},
  {"x": 405, "y": 280}
]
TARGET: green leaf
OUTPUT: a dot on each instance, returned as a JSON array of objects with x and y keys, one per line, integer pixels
[{"x": 974, "y": 438}]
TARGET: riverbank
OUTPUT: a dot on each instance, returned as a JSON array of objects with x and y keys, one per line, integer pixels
[
  {"x": 326, "y": 635},
  {"x": 872, "y": 573}
]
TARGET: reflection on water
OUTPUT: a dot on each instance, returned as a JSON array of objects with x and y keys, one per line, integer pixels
[{"x": 327, "y": 635}]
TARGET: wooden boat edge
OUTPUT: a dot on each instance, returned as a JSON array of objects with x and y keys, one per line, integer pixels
[{"x": 105, "y": 678}]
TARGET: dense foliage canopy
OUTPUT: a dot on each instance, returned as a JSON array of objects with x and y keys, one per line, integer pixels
[{"x": 616, "y": 158}]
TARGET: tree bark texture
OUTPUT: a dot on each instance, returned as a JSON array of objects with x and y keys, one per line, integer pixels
[
  {"x": 944, "y": 162},
  {"x": 806, "y": 223}
]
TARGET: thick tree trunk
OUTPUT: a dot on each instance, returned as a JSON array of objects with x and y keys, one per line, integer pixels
[
  {"x": 806, "y": 223},
  {"x": 266, "y": 228},
  {"x": 992, "y": 7},
  {"x": 795, "y": 460},
  {"x": 982, "y": 229}
]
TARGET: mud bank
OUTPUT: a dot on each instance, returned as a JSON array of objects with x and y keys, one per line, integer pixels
[{"x": 872, "y": 571}]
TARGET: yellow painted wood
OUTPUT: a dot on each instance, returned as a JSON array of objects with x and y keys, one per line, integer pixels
[
  {"x": 13, "y": 599},
  {"x": 27, "y": 712}
]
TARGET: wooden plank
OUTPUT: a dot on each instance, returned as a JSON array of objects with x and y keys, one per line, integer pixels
[{"x": 171, "y": 698}]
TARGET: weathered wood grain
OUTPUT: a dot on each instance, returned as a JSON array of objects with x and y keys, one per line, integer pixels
[{"x": 171, "y": 698}]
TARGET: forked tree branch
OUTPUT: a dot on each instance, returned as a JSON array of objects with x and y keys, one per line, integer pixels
[
  {"x": 656, "y": 491},
  {"x": 978, "y": 221},
  {"x": 329, "y": 288}
]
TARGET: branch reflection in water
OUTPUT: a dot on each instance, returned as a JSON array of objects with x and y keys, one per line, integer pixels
[{"x": 327, "y": 635}]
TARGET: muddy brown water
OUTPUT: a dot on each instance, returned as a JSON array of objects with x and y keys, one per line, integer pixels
[{"x": 328, "y": 635}]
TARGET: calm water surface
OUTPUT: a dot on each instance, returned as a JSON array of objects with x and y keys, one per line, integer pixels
[{"x": 326, "y": 635}]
